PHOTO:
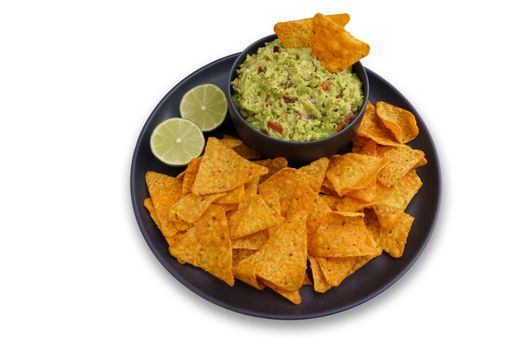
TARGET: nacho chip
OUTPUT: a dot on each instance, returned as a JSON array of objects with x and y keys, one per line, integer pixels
[
  {"x": 372, "y": 128},
  {"x": 307, "y": 281},
  {"x": 234, "y": 196},
  {"x": 293, "y": 296},
  {"x": 331, "y": 200},
  {"x": 335, "y": 48},
  {"x": 247, "y": 152},
  {"x": 320, "y": 283},
  {"x": 305, "y": 199},
  {"x": 366, "y": 194},
  {"x": 181, "y": 225},
  {"x": 272, "y": 199},
  {"x": 253, "y": 215},
  {"x": 315, "y": 173},
  {"x": 399, "y": 121},
  {"x": 282, "y": 260},
  {"x": 230, "y": 141},
  {"x": 342, "y": 236},
  {"x": 245, "y": 271},
  {"x": 207, "y": 245},
  {"x": 191, "y": 207},
  {"x": 283, "y": 183},
  {"x": 273, "y": 165},
  {"x": 222, "y": 170},
  {"x": 352, "y": 204},
  {"x": 393, "y": 240},
  {"x": 364, "y": 145},
  {"x": 399, "y": 161},
  {"x": 164, "y": 191},
  {"x": 240, "y": 254},
  {"x": 148, "y": 203},
  {"x": 353, "y": 171},
  {"x": 336, "y": 270},
  {"x": 399, "y": 195},
  {"x": 295, "y": 34},
  {"x": 252, "y": 242},
  {"x": 189, "y": 175},
  {"x": 387, "y": 217}
]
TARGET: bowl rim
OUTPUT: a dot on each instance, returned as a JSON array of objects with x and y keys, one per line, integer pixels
[{"x": 259, "y": 43}]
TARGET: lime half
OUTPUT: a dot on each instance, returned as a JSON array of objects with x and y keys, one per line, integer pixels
[
  {"x": 205, "y": 105},
  {"x": 176, "y": 141}
]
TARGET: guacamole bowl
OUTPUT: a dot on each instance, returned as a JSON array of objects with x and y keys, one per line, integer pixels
[{"x": 263, "y": 131}]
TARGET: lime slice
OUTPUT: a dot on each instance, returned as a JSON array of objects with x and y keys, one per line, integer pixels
[
  {"x": 176, "y": 141},
  {"x": 205, "y": 105}
]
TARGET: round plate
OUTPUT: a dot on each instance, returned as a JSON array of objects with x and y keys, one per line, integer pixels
[{"x": 363, "y": 285}]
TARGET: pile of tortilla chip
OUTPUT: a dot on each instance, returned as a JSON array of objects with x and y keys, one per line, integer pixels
[
  {"x": 264, "y": 223},
  {"x": 335, "y": 48}
]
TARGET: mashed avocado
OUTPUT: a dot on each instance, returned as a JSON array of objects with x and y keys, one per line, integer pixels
[{"x": 287, "y": 94}]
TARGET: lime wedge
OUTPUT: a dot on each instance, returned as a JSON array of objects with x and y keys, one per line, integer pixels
[
  {"x": 205, "y": 105},
  {"x": 176, "y": 141}
]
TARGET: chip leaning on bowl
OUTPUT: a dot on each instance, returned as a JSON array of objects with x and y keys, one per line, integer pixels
[{"x": 287, "y": 94}]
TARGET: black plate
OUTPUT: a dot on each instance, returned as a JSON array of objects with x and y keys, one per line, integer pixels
[{"x": 363, "y": 285}]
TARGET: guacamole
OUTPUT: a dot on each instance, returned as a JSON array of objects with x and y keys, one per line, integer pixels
[{"x": 287, "y": 94}]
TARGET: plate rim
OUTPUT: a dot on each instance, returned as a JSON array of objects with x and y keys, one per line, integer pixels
[{"x": 244, "y": 311}]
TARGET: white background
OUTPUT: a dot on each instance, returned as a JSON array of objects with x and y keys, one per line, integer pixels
[{"x": 78, "y": 81}]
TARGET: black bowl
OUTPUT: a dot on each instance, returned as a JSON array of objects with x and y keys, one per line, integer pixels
[{"x": 295, "y": 152}]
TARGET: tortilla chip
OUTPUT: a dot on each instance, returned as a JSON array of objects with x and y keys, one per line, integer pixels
[
  {"x": 331, "y": 201},
  {"x": 207, "y": 245},
  {"x": 366, "y": 194},
  {"x": 307, "y": 281},
  {"x": 282, "y": 260},
  {"x": 336, "y": 270},
  {"x": 230, "y": 141},
  {"x": 148, "y": 203},
  {"x": 353, "y": 171},
  {"x": 252, "y": 216},
  {"x": 372, "y": 128},
  {"x": 189, "y": 175},
  {"x": 191, "y": 207},
  {"x": 234, "y": 196},
  {"x": 240, "y": 254},
  {"x": 222, "y": 170},
  {"x": 393, "y": 240},
  {"x": 295, "y": 34},
  {"x": 399, "y": 195},
  {"x": 352, "y": 204},
  {"x": 273, "y": 165},
  {"x": 272, "y": 199},
  {"x": 399, "y": 121},
  {"x": 165, "y": 191},
  {"x": 283, "y": 183},
  {"x": 399, "y": 161},
  {"x": 320, "y": 283},
  {"x": 342, "y": 236},
  {"x": 252, "y": 242},
  {"x": 364, "y": 145},
  {"x": 423, "y": 161},
  {"x": 247, "y": 152},
  {"x": 305, "y": 199},
  {"x": 387, "y": 217},
  {"x": 245, "y": 271},
  {"x": 335, "y": 48},
  {"x": 294, "y": 296},
  {"x": 315, "y": 173}
]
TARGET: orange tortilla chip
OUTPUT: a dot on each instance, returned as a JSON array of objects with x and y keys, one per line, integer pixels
[
  {"x": 222, "y": 170},
  {"x": 399, "y": 121},
  {"x": 252, "y": 242},
  {"x": 207, "y": 245},
  {"x": 234, "y": 196},
  {"x": 294, "y": 296},
  {"x": 372, "y": 128},
  {"x": 298, "y": 33},
  {"x": 335, "y": 48},
  {"x": 305, "y": 199},
  {"x": 353, "y": 171},
  {"x": 336, "y": 270},
  {"x": 165, "y": 191},
  {"x": 148, "y": 203},
  {"x": 387, "y": 217},
  {"x": 366, "y": 194},
  {"x": 283, "y": 183},
  {"x": 252, "y": 216},
  {"x": 320, "y": 283},
  {"x": 393, "y": 240},
  {"x": 240, "y": 254},
  {"x": 189, "y": 175},
  {"x": 247, "y": 152},
  {"x": 399, "y": 195},
  {"x": 191, "y": 207},
  {"x": 282, "y": 260},
  {"x": 273, "y": 165},
  {"x": 331, "y": 200},
  {"x": 315, "y": 173},
  {"x": 352, "y": 204},
  {"x": 364, "y": 145},
  {"x": 399, "y": 161},
  {"x": 230, "y": 141},
  {"x": 342, "y": 236}
]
